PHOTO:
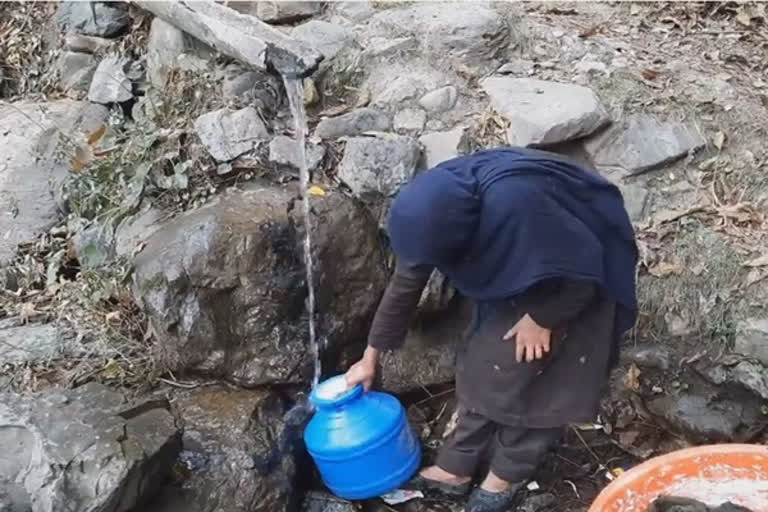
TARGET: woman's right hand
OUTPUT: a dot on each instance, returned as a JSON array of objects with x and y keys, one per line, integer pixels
[{"x": 364, "y": 371}]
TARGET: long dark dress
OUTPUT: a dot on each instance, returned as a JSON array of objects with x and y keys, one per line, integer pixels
[{"x": 562, "y": 388}]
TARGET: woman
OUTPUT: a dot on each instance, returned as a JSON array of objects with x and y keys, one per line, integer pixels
[{"x": 546, "y": 251}]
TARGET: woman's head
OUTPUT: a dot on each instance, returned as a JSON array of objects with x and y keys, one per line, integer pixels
[{"x": 433, "y": 217}]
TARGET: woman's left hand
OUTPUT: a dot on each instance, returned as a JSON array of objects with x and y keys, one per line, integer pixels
[{"x": 533, "y": 340}]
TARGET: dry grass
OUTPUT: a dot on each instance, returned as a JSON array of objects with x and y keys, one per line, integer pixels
[
  {"x": 699, "y": 296},
  {"x": 26, "y": 60}
]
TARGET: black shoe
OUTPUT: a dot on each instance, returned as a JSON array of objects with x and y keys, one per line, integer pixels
[
  {"x": 485, "y": 501},
  {"x": 433, "y": 487}
]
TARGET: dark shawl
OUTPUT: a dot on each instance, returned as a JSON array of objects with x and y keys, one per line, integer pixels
[{"x": 497, "y": 222}]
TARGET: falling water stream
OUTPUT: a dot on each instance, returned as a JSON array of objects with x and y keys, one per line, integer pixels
[{"x": 294, "y": 88}]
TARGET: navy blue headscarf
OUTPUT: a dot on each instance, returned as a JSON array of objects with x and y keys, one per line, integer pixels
[{"x": 497, "y": 222}]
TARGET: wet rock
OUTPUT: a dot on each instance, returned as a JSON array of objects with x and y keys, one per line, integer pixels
[
  {"x": 238, "y": 82},
  {"x": 437, "y": 294},
  {"x": 442, "y": 146},
  {"x": 110, "y": 83},
  {"x": 641, "y": 143},
  {"x": 440, "y": 100},
  {"x": 31, "y": 171},
  {"x": 353, "y": 123},
  {"x": 458, "y": 33},
  {"x": 76, "y": 71},
  {"x": 166, "y": 43},
  {"x": 327, "y": 38},
  {"x": 753, "y": 376},
  {"x": 699, "y": 417},
  {"x": 133, "y": 231},
  {"x": 85, "y": 44},
  {"x": 537, "y": 503},
  {"x": 648, "y": 356},
  {"x": 256, "y": 88},
  {"x": 375, "y": 167},
  {"x": 239, "y": 452},
  {"x": 225, "y": 288},
  {"x": 752, "y": 339},
  {"x": 322, "y": 502},
  {"x": 410, "y": 120},
  {"x": 34, "y": 343},
  {"x": 100, "y": 19},
  {"x": 84, "y": 449},
  {"x": 228, "y": 134},
  {"x": 429, "y": 353},
  {"x": 284, "y": 150},
  {"x": 541, "y": 112}
]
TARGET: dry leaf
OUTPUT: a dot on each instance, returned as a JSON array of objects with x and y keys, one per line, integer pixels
[
  {"x": 632, "y": 378},
  {"x": 744, "y": 18},
  {"x": 650, "y": 74},
  {"x": 718, "y": 140},
  {"x": 591, "y": 31},
  {"x": 96, "y": 136},
  {"x": 113, "y": 317},
  {"x": 450, "y": 427},
  {"x": 314, "y": 190},
  {"x": 83, "y": 157},
  {"x": 311, "y": 96},
  {"x": 28, "y": 312},
  {"x": 760, "y": 261},
  {"x": 665, "y": 268},
  {"x": 112, "y": 370}
]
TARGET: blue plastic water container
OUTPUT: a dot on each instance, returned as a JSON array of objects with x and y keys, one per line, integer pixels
[{"x": 361, "y": 442}]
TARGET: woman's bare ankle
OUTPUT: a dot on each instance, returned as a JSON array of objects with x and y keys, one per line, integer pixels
[
  {"x": 438, "y": 474},
  {"x": 493, "y": 483}
]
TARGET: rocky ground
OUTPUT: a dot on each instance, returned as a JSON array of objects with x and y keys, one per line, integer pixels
[{"x": 153, "y": 333}]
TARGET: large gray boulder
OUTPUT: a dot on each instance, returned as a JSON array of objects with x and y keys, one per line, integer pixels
[
  {"x": 34, "y": 162},
  {"x": 442, "y": 146},
  {"x": 102, "y": 19},
  {"x": 166, "y": 44},
  {"x": 353, "y": 123},
  {"x": 429, "y": 353},
  {"x": 544, "y": 113},
  {"x": 704, "y": 418},
  {"x": 375, "y": 167},
  {"x": 241, "y": 451},
  {"x": 110, "y": 83},
  {"x": 225, "y": 285},
  {"x": 327, "y": 38},
  {"x": 642, "y": 143},
  {"x": 76, "y": 71},
  {"x": 83, "y": 450},
  {"x": 752, "y": 339},
  {"x": 34, "y": 343},
  {"x": 467, "y": 34},
  {"x": 227, "y": 134}
]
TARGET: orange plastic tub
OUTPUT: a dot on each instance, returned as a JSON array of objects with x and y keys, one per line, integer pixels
[{"x": 711, "y": 474}]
